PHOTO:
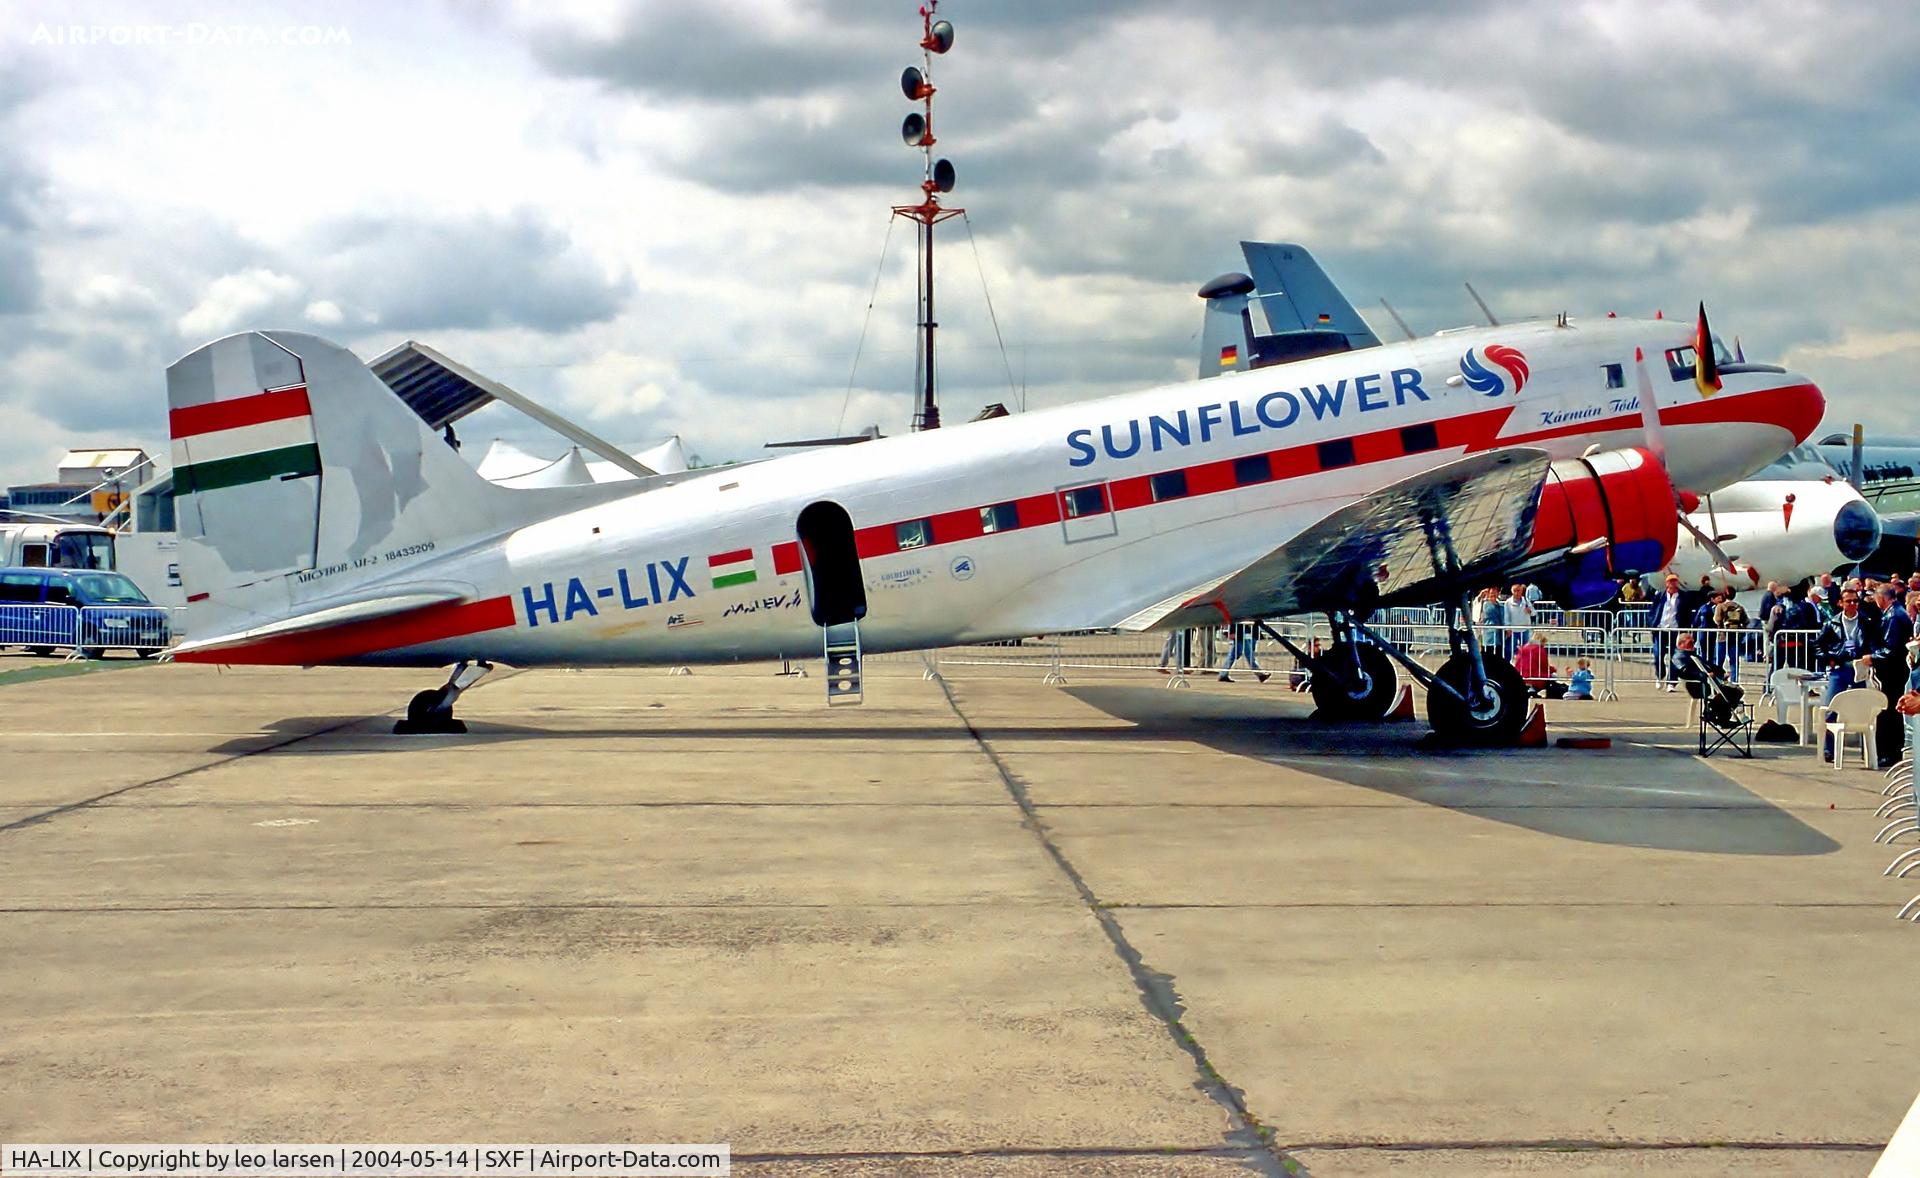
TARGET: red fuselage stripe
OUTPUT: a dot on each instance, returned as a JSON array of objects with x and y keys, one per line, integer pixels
[
  {"x": 275, "y": 405},
  {"x": 431, "y": 623},
  {"x": 1473, "y": 433}
]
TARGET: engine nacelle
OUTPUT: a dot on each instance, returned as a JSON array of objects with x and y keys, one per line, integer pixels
[{"x": 1620, "y": 497}]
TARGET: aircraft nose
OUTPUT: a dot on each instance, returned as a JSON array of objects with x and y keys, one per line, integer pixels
[
  {"x": 1856, "y": 530},
  {"x": 1797, "y": 406}
]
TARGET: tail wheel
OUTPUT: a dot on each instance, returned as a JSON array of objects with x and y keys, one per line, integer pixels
[
  {"x": 1495, "y": 718},
  {"x": 423, "y": 705},
  {"x": 1338, "y": 697}
]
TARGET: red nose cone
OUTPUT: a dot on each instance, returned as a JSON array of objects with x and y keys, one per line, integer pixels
[
  {"x": 1801, "y": 407},
  {"x": 1689, "y": 502}
]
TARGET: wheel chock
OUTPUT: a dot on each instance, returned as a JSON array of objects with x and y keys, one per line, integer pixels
[
  {"x": 1534, "y": 735},
  {"x": 1584, "y": 742},
  {"x": 1402, "y": 707}
]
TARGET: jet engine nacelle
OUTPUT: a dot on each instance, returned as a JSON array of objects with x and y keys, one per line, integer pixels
[{"x": 1615, "y": 512}]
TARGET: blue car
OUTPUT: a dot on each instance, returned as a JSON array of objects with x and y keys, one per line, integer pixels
[{"x": 81, "y": 609}]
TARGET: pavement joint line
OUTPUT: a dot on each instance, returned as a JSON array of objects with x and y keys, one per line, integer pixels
[
  {"x": 85, "y": 803},
  {"x": 1155, "y": 989}
]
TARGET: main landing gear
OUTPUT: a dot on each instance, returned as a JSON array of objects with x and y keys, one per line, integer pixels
[
  {"x": 431, "y": 712},
  {"x": 1354, "y": 681},
  {"x": 1475, "y": 698}
]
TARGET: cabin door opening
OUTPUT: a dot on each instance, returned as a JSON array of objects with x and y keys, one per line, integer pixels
[{"x": 836, "y": 591}]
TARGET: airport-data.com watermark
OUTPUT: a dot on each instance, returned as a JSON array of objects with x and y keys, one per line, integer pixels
[{"x": 192, "y": 35}]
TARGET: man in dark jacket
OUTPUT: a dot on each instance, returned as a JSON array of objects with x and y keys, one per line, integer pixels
[
  {"x": 1890, "y": 647},
  {"x": 1845, "y": 638}
]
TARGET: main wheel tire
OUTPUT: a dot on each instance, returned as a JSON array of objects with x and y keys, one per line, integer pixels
[
  {"x": 93, "y": 652},
  {"x": 1370, "y": 699},
  {"x": 421, "y": 708},
  {"x": 40, "y": 651},
  {"x": 1496, "y": 720}
]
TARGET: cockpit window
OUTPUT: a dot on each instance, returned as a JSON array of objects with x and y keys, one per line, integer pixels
[
  {"x": 1680, "y": 360},
  {"x": 1680, "y": 363}
]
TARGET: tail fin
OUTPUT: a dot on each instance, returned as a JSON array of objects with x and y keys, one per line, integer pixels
[
  {"x": 1297, "y": 295},
  {"x": 293, "y": 463}
]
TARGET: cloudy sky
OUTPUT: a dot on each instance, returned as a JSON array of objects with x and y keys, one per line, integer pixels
[{"x": 667, "y": 216}]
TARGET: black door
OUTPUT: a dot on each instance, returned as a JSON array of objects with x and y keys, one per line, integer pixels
[{"x": 835, "y": 591}]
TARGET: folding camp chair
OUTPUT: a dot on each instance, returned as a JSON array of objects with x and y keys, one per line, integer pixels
[{"x": 1725, "y": 722}]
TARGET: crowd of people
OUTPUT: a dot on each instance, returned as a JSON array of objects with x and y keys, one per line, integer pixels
[{"x": 1856, "y": 632}]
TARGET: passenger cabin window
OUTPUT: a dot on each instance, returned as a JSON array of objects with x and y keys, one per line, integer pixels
[
  {"x": 1170, "y": 485},
  {"x": 1254, "y": 468},
  {"x": 1616, "y": 375},
  {"x": 913, "y": 534},
  {"x": 1680, "y": 363},
  {"x": 1335, "y": 454},
  {"x": 1001, "y": 517},
  {"x": 1083, "y": 501},
  {"x": 1418, "y": 439},
  {"x": 16, "y": 587}
]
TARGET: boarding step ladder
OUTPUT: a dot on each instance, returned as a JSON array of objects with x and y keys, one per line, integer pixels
[{"x": 843, "y": 664}]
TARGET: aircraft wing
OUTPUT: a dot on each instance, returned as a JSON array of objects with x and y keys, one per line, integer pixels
[{"x": 1417, "y": 540}]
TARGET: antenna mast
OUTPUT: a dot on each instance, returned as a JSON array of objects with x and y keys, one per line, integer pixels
[{"x": 917, "y": 84}]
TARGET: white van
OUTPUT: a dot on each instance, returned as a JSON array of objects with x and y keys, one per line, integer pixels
[{"x": 56, "y": 546}]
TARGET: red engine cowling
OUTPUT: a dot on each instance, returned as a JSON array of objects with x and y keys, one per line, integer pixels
[{"x": 1621, "y": 496}]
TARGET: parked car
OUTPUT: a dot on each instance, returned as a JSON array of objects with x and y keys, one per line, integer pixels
[{"x": 92, "y": 612}]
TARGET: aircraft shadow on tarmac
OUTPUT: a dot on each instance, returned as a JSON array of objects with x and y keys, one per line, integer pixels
[{"x": 1626, "y": 796}]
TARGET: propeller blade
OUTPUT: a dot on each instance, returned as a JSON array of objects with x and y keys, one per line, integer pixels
[
  {"x": 1722, "y": 562},
  {"x": 1650, "y": 410}
]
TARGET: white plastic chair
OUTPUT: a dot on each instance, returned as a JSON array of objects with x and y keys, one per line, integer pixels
[
  {"x": 1786, "y": 689},
  {"x": 1854, "y": 711}
]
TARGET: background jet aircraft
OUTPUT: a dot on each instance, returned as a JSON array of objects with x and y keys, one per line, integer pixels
[
  {"x": 322, "y": 521},
  {"x": 1304, "y": 313},
  {"x": 1795, "y": 518}
]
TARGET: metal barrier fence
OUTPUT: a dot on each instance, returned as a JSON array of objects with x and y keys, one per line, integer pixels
[
  {"x": 89, "y": 631},
  {"x": 1618, "y": 647}
]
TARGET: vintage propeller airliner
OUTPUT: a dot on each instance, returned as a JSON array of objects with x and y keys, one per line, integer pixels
[{"x": 322, "y": 522}]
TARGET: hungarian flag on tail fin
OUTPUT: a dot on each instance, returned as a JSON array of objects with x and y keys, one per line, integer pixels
[{"x": 1706, "y": 370}]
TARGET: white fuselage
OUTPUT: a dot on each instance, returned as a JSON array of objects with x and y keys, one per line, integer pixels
[
  {"x": 1778, "y": 530},
  {"x": 634, "y": 580}
]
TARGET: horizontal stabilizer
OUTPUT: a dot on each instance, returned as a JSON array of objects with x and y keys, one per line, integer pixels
[{"x": 328, "y": 617}]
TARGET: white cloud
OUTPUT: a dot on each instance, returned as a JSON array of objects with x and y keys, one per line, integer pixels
[
  {"x": 233, "y": 300},
  {"x": 692, "y": 248},
  {"x": 325, "y": 313}
]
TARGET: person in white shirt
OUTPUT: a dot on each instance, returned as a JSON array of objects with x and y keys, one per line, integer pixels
[
  {"x": 1518, "y": 615},
  {"x": 1669, "y": 615}
]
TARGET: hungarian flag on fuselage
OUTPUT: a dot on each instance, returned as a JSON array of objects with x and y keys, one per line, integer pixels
[{"x": 1706, "y": 370}]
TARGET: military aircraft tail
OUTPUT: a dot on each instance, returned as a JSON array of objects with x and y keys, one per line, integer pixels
[
  {"x": 1306, "y": 312},
  {"x": 298, "y": 474}
]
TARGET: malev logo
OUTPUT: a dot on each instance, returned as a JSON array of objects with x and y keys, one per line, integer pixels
[{"x": 1483, "y": 379}]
